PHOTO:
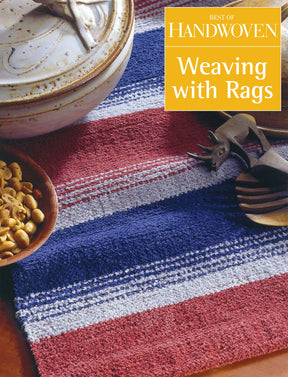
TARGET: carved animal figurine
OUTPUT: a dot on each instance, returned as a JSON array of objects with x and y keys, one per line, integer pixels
[
  {"x": 228, "y": 138},
  {"x": 78, "y": 13}
]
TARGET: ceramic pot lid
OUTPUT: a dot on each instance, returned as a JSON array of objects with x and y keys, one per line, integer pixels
[{"x": 51, "y": 46}]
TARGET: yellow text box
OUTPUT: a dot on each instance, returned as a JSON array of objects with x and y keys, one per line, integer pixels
[{"x": 239, "y": 77}]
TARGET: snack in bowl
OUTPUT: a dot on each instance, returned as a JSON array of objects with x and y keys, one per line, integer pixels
[
  {"x": 19, "y": 212},
  {"x": 28, "y": 206}
]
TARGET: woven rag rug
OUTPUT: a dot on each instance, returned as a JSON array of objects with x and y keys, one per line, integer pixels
[{"x": 152, "y": 269}]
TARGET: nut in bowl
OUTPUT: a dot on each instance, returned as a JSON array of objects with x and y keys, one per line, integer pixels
[{"x": 28, "y": 206}]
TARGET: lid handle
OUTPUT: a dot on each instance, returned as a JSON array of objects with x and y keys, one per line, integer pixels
[{"x": 77, "y": 12}]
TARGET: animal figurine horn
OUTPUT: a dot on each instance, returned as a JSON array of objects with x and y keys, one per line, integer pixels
[{"x": 228, "y": 138}]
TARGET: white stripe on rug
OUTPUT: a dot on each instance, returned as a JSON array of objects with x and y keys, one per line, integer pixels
[{"x": 159, "y": 297}]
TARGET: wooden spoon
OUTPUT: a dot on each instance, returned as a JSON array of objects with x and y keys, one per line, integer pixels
[
  {"x": 263, "y": 202},
  {"x": 32, "y": 172},
  {"x": 274, "y": 123}
]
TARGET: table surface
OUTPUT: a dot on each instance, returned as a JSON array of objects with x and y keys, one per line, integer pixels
[{"x": 17, "y": 360}]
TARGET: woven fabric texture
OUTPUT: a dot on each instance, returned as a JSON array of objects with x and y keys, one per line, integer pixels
[{"x": 152, "y": 270}]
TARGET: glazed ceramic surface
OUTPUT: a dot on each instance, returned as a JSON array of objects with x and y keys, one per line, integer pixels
[{"x": 59, "y": 60}]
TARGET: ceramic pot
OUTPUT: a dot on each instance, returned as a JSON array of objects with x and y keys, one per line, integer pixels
[{"x": 59, "y": 60}]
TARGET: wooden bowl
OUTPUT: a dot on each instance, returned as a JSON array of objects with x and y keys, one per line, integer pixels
[
  {"x": 32, "y": 172},
  {"x": 273, "y": 123}
]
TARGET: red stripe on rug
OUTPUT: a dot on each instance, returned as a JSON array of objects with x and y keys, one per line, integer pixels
[
  {"x": 176, "y": 340},
  {"x": 90, "y": 192},
  {"x": 123, "y": 175},
  {"x": 150, "y": 7},
  {"x": 108, "y": 144}
]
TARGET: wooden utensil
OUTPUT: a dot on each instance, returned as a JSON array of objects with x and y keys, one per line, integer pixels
[
  {"x": 264, "y": 189},
  {"x": 32, "y": 172},
  {"x": 274, "y": 123},
  {"x": 264, "y": 202}
]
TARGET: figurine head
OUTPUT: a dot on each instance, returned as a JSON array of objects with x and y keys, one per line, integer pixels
[{"x": 218, "y": 153}]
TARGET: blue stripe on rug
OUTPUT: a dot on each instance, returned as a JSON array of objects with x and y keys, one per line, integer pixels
[
  {"x": 126, "y": 94},
  {"x": 153, "y": 276},
  {"x": 147, "y": 58},
  {"x": 145, "y": 234}
]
